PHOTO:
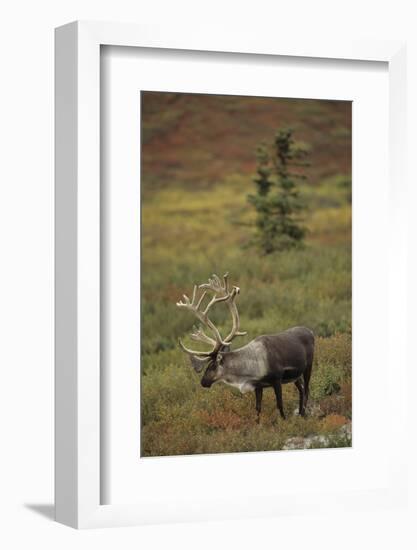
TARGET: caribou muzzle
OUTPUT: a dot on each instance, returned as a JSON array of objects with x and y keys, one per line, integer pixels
[{"x": 206, "y": 383}]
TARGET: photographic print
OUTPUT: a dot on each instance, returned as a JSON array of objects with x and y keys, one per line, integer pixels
[{"x": 246, "y": 326}]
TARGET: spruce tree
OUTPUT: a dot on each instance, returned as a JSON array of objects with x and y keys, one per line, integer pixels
[{"x": 277, "y": 200}]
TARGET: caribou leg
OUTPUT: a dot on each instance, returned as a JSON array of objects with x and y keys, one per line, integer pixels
[
  {"x": 300, "y": 387},
  {"x": 278, "y": 395},
  {"x": 258, "y": 396},
  {"x": 306, "y": 376}
]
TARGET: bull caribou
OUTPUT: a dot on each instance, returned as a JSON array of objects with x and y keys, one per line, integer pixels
[{"x": 267, "y": 361}]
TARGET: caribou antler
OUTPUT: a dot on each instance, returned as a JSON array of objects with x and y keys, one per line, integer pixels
[
  {"x": 217, "y": 287},
  {"x": 221, "y": 294},
  {"x": 200, "y": 336}
]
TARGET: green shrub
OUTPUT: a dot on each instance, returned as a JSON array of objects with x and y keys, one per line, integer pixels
[{"x": 326, "y": 380}]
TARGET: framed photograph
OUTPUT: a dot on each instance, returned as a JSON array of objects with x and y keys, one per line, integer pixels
[{"x": 228, "y": 219}]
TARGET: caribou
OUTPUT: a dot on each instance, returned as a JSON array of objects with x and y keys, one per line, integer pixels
[{"x": 267, "y": 361}]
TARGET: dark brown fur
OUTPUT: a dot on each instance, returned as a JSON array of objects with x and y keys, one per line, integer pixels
[{"x": 290, "y": 359}]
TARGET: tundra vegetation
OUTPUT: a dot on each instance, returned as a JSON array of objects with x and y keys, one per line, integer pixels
[{"x": 198, "y": 165}]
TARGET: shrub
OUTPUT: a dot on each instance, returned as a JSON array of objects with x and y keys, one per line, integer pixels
[{"x": 325, "y": 380}]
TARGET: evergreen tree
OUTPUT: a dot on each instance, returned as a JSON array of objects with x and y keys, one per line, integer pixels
[{"x": 277, "y": 201}]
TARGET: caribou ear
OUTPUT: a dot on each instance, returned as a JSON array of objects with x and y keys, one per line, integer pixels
[{"x": 198, "y": 363}]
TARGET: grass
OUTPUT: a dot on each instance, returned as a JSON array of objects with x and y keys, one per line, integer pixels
[
  {"x": 191, "y": 231},
  {"x": 181, "y": 417}
]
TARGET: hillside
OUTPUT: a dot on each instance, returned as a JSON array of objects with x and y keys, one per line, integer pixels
[{"x": 196, "y": 140}]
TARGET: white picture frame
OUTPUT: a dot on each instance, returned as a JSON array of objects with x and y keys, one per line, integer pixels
[{"x": 78, "y": 406}]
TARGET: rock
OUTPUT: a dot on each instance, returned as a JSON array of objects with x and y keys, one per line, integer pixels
[
  {"x": 304, "y": 442},
  {"x": 346, "y": 430},
  {"x": 316, "y": 439},
  {"x": 298, "y": 442},
  {"x": 294, "y": 443}
]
